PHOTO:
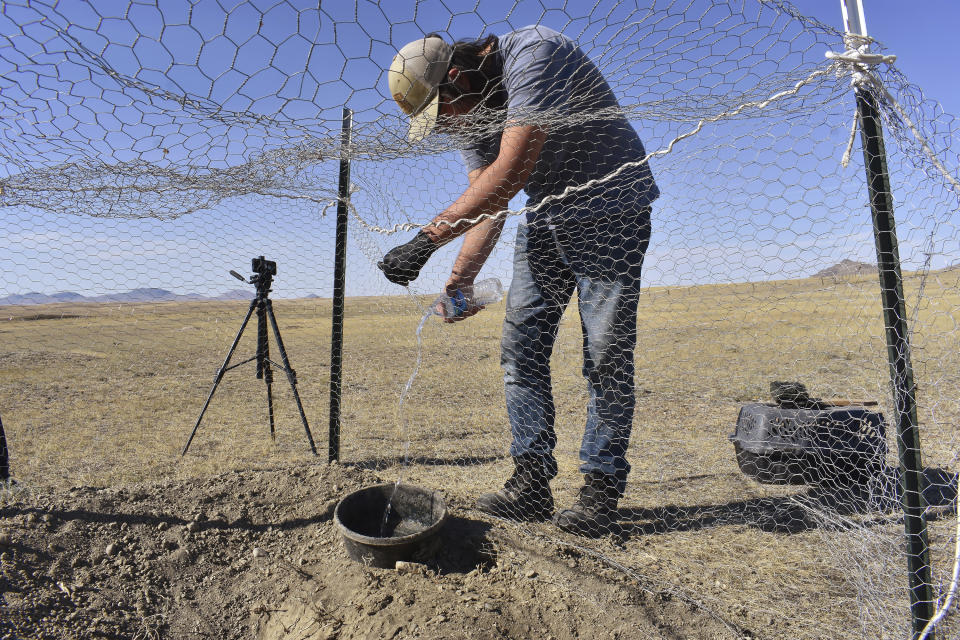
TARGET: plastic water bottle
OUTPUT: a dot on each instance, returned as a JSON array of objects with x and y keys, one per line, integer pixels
[{"x": 485, "y": 292}]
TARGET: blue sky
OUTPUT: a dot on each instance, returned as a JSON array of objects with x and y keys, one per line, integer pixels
[{"x": 55, "y": 252}]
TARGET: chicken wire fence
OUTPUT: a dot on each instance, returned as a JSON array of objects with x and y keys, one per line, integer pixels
[{"x": 149, "y": 148}]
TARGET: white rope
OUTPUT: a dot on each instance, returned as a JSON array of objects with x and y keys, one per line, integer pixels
[
  {"x": 858, "y": 58},
  {"x": 845, "y": 160},
  {"x": 861, "y": 57},
  {"x": 919, "y": 137},
  {"x": 406, "y": 226},
  {"x": 858, "y": 62},
  {"x": 756, "y": 104}
]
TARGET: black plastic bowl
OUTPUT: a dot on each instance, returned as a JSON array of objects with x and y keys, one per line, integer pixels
[{"x": 409, "y": 532}]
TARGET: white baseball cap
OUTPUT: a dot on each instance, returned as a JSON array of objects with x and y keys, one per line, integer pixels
[{"x": 414, "y": 77}]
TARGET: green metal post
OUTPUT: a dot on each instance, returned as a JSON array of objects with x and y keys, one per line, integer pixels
[
  {"x": 901, "y": 369},
  {"x": 339, "y": 280},
  {"x": 895, "y": 322}
]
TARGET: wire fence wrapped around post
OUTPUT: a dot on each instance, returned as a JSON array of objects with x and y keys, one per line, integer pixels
[
  {"x": 339, "y": 284},
  {"x": 901, "y": 368}
]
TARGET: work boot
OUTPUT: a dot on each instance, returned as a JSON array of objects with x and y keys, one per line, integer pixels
[
  {"x": 594, "y": 513},
  {"x": 525, "y": 495}
]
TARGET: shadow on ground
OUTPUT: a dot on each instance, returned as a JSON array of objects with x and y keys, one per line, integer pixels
[
  {"x": 823, "y": 506},
  {"x": 378, "y": 464}
]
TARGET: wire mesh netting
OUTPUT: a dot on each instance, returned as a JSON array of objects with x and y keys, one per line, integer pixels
[{"x": 722, "y": 424}]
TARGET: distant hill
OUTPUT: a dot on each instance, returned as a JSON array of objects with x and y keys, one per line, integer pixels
[
  {"x": 143, "y": 295},
  {"x": 67, "y": 296},
  {"x": 136, "y": 295},
  {"x": 846, "y": 268},
  {"x": 235, "y": 294},
  {"x": 35, "y": 297}
]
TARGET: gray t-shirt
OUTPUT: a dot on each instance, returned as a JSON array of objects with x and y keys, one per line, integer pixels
[{"x": 551, "y": 82}]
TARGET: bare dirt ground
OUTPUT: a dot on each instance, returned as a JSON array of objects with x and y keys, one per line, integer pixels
[{"x": 256, "y": 555}]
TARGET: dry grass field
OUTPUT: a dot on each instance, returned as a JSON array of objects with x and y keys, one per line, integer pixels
[{"x": 107, "y": 394}]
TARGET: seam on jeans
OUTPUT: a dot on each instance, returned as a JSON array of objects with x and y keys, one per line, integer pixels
[{"x": 556, "y": 243}]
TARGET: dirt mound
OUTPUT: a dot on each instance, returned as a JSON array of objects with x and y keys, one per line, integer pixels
[{"x": 255, "y": 554}]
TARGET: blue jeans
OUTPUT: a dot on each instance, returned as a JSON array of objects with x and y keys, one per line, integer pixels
[{"x": 601, "y": 257}]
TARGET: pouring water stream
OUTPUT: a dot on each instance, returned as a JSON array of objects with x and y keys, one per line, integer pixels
[
  {"x": 402, "y": 421},
  {"x": 484, "y": 292}
]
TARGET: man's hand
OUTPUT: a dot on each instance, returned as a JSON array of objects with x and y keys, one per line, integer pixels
[
  {"x": 402, "y": 264},
  {"x": 459, "y": 288}
]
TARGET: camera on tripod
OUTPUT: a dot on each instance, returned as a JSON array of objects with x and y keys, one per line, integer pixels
[
  {"x": 262, "y": 266},
  {"x": 262, "y": 278},
  {"x": 263, "y": 272}
]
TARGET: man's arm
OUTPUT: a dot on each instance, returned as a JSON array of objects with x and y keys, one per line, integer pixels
[
  {"x": 492, "y": 188},
  {"x": 489, "y": 193},
  {"x": 478, "y": 242},
  {"x": 504, "y": 179}
]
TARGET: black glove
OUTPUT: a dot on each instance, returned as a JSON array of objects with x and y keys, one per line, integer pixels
[{"x": 402, "y": 264}]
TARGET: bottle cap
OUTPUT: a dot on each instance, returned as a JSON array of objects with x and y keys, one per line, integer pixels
[{"x": 459, "y": 303}]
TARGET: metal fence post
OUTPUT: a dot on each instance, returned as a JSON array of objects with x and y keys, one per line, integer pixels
[
  {"x": 895, "y": 323},
  {"x": 339, "y": 280},
  {"x": 901, "y": 369}
]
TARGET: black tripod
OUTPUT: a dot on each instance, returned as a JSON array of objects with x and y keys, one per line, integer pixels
[
  {"x": 262, "y": 278},
  {"x": 4, "y": 456}
]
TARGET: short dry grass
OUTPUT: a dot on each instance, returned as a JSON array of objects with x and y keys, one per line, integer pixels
[{"x": 107, "y": 394}]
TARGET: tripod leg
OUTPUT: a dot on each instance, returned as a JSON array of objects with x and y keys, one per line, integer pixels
[
  {"x": 4, "y": 457},
  {"x": 291, "y": 375},
  {"x": 263, "y": 358},
  {"x": 263, "y": 347},
  {"x": 219, "y": 375},
  {"x": 273, "y": 435}
]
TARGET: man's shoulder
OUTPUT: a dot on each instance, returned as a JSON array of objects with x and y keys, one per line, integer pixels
[{"x": 528, "y": 35}]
